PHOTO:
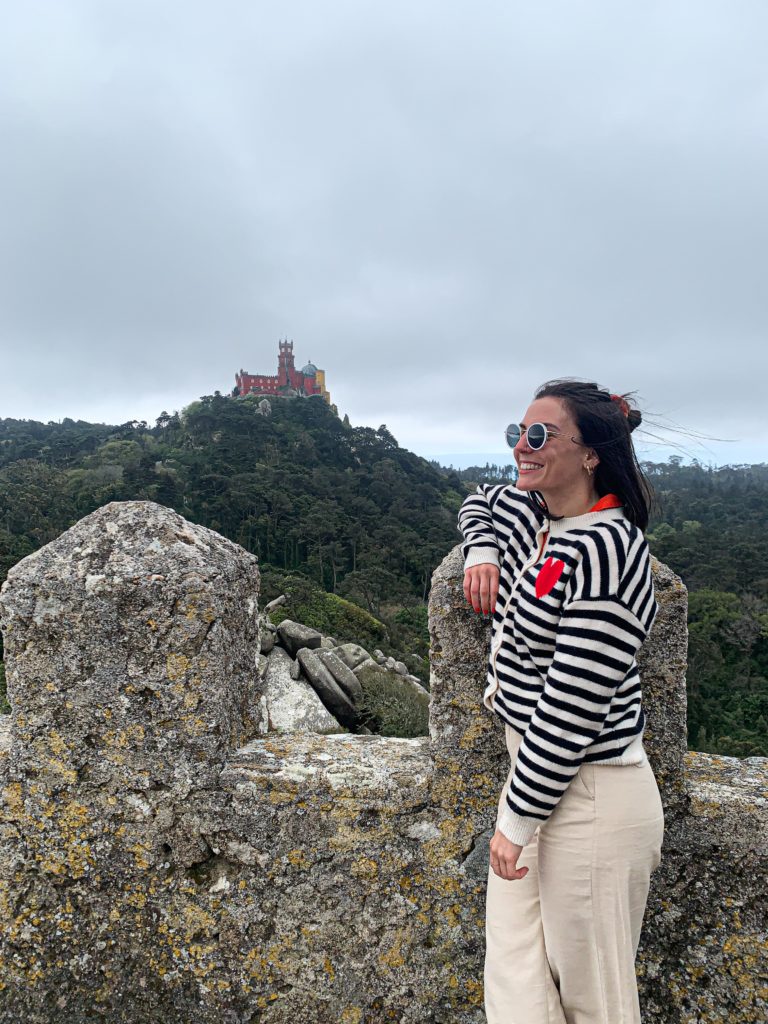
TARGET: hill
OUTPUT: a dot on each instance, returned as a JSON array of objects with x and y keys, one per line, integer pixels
[{"x": 352, "y": 513}]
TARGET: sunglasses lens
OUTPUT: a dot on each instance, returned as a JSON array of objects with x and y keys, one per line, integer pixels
[
  {"x": 537, "y": 435},
  {"x": 512, "y": 434}
]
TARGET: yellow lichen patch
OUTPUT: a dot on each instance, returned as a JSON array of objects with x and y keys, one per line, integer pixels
[
  {"x": 474, "y": 990},
  {"x": 351, "y": 1015},
  {"x": 73, "y": 815},
  {"x": 471, "y": 735},
  {"x": 261, "y": 963},
  {"x": 329, "y": 968},
  {"x": 191, "y": 920},
  {"x": 364, "y": 867},
  {"x": 194, "y": 726},
  {"x": 274, "y": 746},
  {"x": 276, "y": 797},
  {"x": 190, "y": 607},
  {"x": 452, "y": 915},
  {"x": 66, "y": 852},
  {"x": 191, "y": 700},
  {"x": 12, "y": 797},
  {"x": 176, "y": 666},
  {"x": 298, "y": 858},
  {"x": 448, "y": 790},
  {"x": 54, "y": 744},
  {"x": 706, "y": 808},
  {"x": 140, "y": 852},
  {"x": 394, "y": 956},
  {"x": 152, "y": 624},
  {"x": 449, "y": 845}
]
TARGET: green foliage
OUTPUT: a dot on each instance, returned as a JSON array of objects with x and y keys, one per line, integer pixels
[
  {"x": 728, "y": 673},
  {"x": 328, "y": 613},
  {"x": 409, "y": 629},
  {"x": 368, "y": 522},
  {"x": 709, "y": 525},
  {"x": 391, "y": 706}
]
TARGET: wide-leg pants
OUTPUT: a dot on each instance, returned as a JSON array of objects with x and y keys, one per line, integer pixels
[{"x": 561, "y": 942}]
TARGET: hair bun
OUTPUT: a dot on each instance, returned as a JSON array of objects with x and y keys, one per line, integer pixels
[{"x": 634, "y": 419}]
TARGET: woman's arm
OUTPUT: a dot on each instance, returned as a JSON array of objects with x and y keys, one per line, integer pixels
[
  {"x": 494, "y": 518},
  {"x": 481, "y": 541}
]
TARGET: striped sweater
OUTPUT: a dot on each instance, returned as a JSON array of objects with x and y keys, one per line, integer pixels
[{"x": 575, "y": 603}]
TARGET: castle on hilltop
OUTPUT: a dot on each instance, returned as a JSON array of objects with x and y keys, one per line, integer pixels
[{"x": 306, "y": 382}]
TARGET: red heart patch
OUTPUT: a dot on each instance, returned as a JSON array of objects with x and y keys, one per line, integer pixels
[{"x": 548, "y": 576}]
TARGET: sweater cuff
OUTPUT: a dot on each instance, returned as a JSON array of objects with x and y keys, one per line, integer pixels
[
  {"x": 476, "y": 556},
  {"x": 515, "y": 827}
]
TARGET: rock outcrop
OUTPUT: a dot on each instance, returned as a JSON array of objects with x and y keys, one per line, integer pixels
[
  {"x": 163, "y": 857},
  {"x": 317, "y": 664}
]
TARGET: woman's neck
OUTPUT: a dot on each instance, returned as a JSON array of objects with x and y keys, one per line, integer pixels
[{"x": 575, "y": 503}]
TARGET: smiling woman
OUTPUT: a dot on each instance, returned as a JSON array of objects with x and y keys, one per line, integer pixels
[{"x": 561, "y": 562}]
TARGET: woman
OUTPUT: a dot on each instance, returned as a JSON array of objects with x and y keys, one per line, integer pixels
[{"x": 561, "y": 561}]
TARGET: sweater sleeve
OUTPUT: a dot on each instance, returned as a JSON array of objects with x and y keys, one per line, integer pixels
[
  {"x": 481, "y": 542},
  {"x": 494, "y": 519},
  {"x": 597, "y": 640}
]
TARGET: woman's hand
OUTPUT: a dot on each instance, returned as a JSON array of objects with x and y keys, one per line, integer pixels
[
  {"x": 504, "y": 856},
  {"x": 481, "y": 586}
]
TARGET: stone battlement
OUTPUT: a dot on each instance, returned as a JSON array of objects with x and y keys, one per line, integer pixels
[{"x": 164, "y": 858}]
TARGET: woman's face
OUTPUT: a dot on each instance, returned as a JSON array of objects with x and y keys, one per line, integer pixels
[{"x": 558, "y": 467}]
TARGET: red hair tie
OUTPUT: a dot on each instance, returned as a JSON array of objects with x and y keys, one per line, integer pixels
[{"x": 622, "y": 404}]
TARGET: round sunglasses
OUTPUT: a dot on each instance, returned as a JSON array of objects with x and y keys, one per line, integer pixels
[{"x": 536, "y": 434}]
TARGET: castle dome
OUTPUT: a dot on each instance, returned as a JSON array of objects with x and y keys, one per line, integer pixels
[{"x": 310, "y": 370}]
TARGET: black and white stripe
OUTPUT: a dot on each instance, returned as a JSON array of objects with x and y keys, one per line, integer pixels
[{"x": 562, "y": 669}]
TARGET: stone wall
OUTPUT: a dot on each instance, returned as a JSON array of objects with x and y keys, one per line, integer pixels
[{"x": 162, "y": 858}]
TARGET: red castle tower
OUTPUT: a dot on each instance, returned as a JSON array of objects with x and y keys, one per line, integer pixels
[{"x": 307, "y": 381}]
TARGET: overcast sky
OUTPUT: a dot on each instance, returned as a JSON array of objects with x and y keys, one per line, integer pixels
[{"x": 442, "y": 204}]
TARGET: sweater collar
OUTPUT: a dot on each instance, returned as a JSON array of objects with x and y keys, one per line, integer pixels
[
  {"x": 607, "y": 509},
  {"x": 607, "y": 501}
]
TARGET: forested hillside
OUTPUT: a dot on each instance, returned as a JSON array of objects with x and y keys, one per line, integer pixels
[
  {"x": 308, "y": 493},
  {"x": 350, "y": 512}
]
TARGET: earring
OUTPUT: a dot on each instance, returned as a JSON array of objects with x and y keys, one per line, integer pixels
[{"x": 588, "y": 468}]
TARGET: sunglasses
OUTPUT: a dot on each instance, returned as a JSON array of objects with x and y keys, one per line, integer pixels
[{"x": 536, "y": 435}]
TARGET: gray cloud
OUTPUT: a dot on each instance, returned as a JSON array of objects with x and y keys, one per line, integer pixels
[{"x": 443, "y": 204}]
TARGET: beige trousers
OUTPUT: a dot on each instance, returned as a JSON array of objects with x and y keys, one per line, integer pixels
[{"x": 561, "y": 942}]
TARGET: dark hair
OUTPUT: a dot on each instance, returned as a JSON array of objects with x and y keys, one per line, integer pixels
[{"x": 603, "y": 426}]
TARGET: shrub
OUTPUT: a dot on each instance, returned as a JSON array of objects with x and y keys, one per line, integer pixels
[
  {"x": 328, "y": 613},
  {"x": 391, "y": 706}
]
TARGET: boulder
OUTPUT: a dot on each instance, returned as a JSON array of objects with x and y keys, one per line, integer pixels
[
  {"x": 368, "y": 663},
  {"x": 293, "y": 637},
  {"x": 267, "y": 641},
  {"x": 400, "y": 668},
  {"x": 292, "y": 704},
  {"x": 352, "y": 655},
  {"x": 343, "y": 675},
  {"x": 417, "y": 683},
  {"x": 295, "y": 670},
  {"x": 327, "y": 689}
]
